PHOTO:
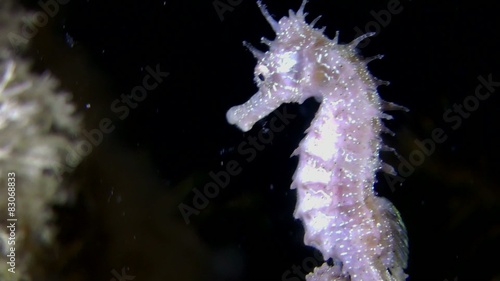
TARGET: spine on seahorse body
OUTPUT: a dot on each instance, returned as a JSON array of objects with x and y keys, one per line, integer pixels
[{"x": 338, "y": 158}]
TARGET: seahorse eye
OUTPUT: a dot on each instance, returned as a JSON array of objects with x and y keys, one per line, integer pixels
[{"x": 261, "y": 72}]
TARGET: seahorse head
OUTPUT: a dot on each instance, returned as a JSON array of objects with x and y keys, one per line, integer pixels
[
  {"x": 295, "y": 61},
  {"x": 288, "y": 72}
]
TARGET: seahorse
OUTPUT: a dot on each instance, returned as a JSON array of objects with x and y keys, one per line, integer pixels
[{"x": 361, "y": 233}]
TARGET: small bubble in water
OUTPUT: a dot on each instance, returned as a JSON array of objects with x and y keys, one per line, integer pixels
[{"x": 69, "y": 40}]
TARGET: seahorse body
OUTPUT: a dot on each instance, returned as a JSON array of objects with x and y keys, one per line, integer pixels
[{"x": 339, "y": 156}]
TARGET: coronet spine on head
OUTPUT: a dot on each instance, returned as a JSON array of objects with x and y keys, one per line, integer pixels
[{"x": 274, "y": 24}]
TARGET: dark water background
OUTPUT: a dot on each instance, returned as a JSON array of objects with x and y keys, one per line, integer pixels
[{"x": 126, "y": 218}]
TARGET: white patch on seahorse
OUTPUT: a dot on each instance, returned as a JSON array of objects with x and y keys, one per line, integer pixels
[{"x": 339, "y": 156}]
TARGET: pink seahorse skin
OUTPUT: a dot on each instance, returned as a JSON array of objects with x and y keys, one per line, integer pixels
[{"x": 343, "y": 218}]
